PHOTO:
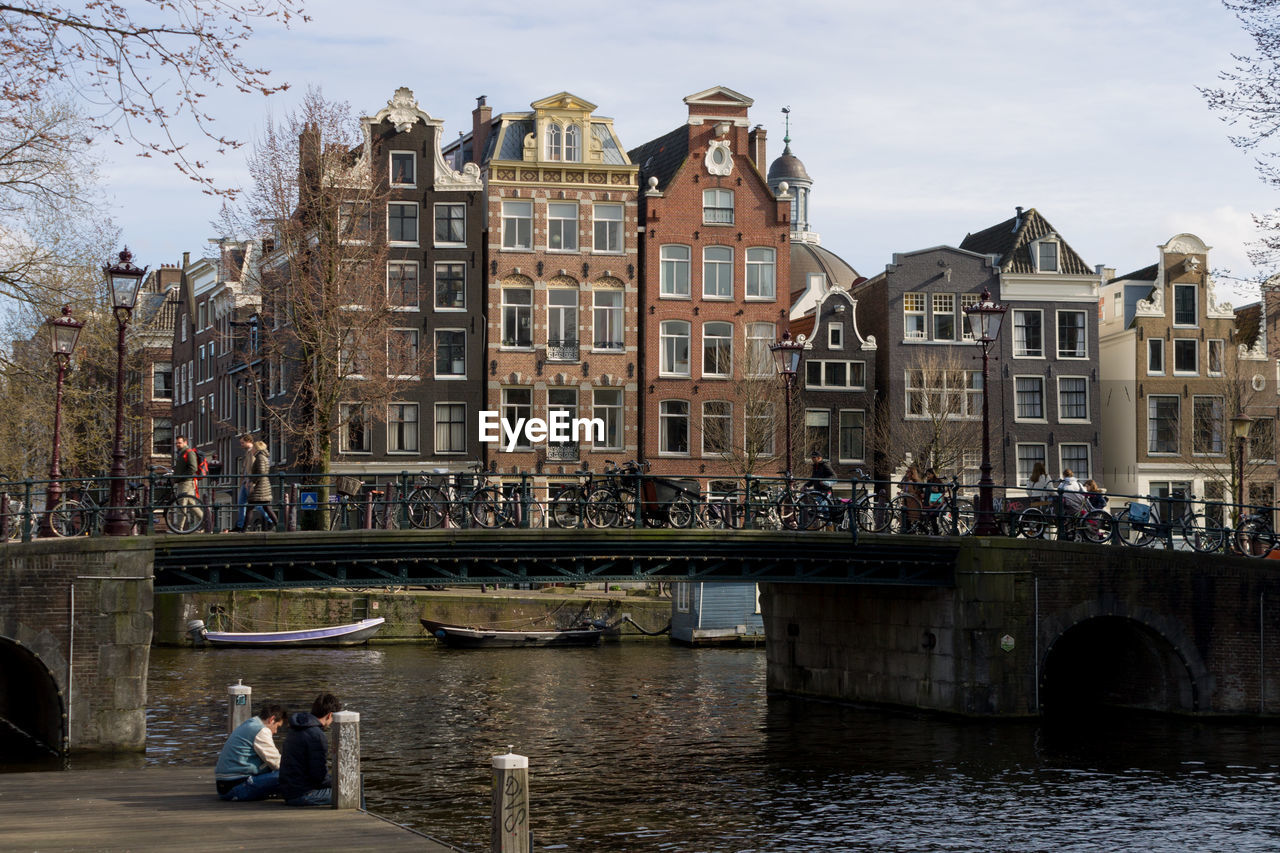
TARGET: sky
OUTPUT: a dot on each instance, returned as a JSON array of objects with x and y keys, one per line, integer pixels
[{"x": 919, "y": 123}]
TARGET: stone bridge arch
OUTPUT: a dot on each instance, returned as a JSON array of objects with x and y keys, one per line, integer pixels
[
  {"x": 33, "y": 715},
  {"x": 1117, "y": 654}
]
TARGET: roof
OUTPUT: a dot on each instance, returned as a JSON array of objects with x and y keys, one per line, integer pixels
[
  {"x": 787, "y": 167},
  {"x": 803, "y": 325},
  {"x": 1249, "y": 323},
  {"x": 1144, "y": 274},
  {"x": 1010, "y": 239},
  {"x": 807, "y": 258},
  {"x": 661, "y": 158},
  {"x": 611, "y": 155}
]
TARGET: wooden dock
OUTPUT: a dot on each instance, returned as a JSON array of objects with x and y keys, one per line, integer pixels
[{"x": 176, "y": 809}]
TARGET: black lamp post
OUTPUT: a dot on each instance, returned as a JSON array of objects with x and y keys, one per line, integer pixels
[
  {"x": 124, "y": 280},
  {"x": 786, "y": 356},
  {"x": 64, "y": 331},
  {"x": 1240, "y": 426},
  {"x": 984, "y": 323}
]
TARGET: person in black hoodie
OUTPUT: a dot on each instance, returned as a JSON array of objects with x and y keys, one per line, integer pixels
[{"x": 304, "y": 762}]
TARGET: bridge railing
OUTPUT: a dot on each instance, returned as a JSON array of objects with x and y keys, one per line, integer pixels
[{"x": 628, "y": 495}]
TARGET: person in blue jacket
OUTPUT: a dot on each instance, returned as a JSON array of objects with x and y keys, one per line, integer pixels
[
  {"x": 249, "y": 764},
  {"x": 304, "y": 766}
]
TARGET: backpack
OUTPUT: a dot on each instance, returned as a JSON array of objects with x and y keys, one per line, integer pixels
[{"x": 202, "y": 463}]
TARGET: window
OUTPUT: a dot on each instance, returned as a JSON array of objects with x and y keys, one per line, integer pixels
[
  {"x": 517, "y": 225},
  {"x": 945, "y": 394},
  {"x": 913, "y": 318},
  {"x": 451, "y": 428},
  {"x": 1028, "y": 395},
  {"x": 817, "y": 431},
  {"x": 1073, "y": 398},
  {"x": 761, "y": 276},
  {"x": 451, "y": 287},
  {"x": 161, "y": 436},
  {"x": 517, "y": 403},
  {"x": 717, "y": 427},
  {"x": 563, "y": 400},
  {"x": 1206, "y": 426},
  {"x": 835, "y": 374},
  {"x": 607, "y": 219},
  {"x": 352, "y": 361},
  {"x": 573, "y": 144},
  {"x": 1262, "y": 440},
  {"x": 451, "y": 353},
  {"x": 674, "y": 271},
  {"x": 1028, "y": 456},
  {"x": 944, "y": 317},
  {"x": 1076, "y": 458},
  {"x": 555, "y": 146},
  {"x": 402, "y": 169},
  {"x": 1047, "y": 256},
  {"x": 562, "y": 325},
  {"x": 1186, "y": 356},
  {"x": 835, "y": 336},
  {"x": 1184, "y": 305},
  {"x": 760, "y": 428},
  {"x": 162, "y": 381},
  {"x": 717, "y": 207},
  {"x": 966, "y": 299},
  {"x": 202, "y": 316},
  {"x": 1217, "y": 348},
  {"x": 402, "y": 222},
  {"x": 1162, "y": 424},
  {"x": 853, "y": 435},
  {"x": 1155, "y": 356},
  {"x": 402, "y": 353},
  {"x": 353, "y": 428},
  {"x": 673, "y": 427},
  {"x": 517, "y": 317},
  {"x": 1028, "y": 340},
  {"x": 606, "y": 318},
  {"x": 717, "y": 349},
  {"x": 402, "y": 284},
  {"x": 606, "y": 405},
  {"x": 402, "y": 428},
  {"x": 353, "y": 220},
  {"x": 562, "y": 226},
  {"x": 451, "y": 224},
  {"x": 760, "y": 336},
  {"x": 1071, "y": 335},
  {"x": 674, "y": 335},
  {"x": 717, "y": 272}
]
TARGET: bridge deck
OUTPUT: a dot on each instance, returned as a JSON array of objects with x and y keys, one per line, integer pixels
[{"x": 175, "y": 808}]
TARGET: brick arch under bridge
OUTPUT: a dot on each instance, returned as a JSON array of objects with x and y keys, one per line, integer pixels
[{"x": 33, "y": 718}]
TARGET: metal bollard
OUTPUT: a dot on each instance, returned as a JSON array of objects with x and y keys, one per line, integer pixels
[
  {"x": 346, "y": 761},
  {"x": 511, "y": 832},
  {"x": 239, "y": 704}
]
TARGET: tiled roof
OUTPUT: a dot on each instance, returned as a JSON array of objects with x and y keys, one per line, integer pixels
[
  {"x": 1144, "y": 274},
  {"x": 661, "y": 157},
  {"x": 1010, "y": 241},
  {"x": 513, "y": 140},
  {"x": 1248, "y": 323},
  {"x": 611, "y": 155},
  {"x": 803, "y": 325}
]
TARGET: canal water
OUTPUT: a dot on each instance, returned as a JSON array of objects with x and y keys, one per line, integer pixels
[{"x": 650, "y": 747}]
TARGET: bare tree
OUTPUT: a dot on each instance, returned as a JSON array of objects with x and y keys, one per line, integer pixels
[{"x": 942, "y": 414}]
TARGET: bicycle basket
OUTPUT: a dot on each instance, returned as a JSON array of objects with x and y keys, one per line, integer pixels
[
  {"x": 1140, "y": 513},
  {"x": 348, "y": 486}
]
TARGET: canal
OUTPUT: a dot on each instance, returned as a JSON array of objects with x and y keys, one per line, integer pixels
[{"x": 650, "y": 747}]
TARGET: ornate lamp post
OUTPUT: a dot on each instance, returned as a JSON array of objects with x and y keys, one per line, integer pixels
[
  {"x": 124, "y": 280},
  {"x": 64, "y": 331},
  {"x": 786, "y": 357},
  {"x": 984, "y": 323},
  {"x": 1240, "y": 426}
]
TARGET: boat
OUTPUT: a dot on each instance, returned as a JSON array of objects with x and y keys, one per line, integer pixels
[
  {"x": 336, "y": 635},
  {"x": 463, "y": 637}
]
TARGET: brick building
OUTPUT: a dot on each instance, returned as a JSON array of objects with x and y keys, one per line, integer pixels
[{"x": 150, "y": 341}]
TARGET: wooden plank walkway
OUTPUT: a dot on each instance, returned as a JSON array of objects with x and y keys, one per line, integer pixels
[{"x": 175, "y": 808}]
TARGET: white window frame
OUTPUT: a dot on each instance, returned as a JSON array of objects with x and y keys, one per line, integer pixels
[
  {"x": 1177, "y": 432},
  {"x": 1042, "y": 244},
  {"x": 669, "y": 347},
  {"x": 415, "y": 434},
  {"x": 613, "y": 315},
  {"x": 513, "y": 216},
  {"x": 554, "y": 142},
  {"x": 572, "y": 143},
  {"x": 719, "y": 265},
  {"x": 557, "y": 322},
  {"x": 822, "y": 385},
  {"x": 721, "y": 341},
  {"x": 713, "y": 206},
  {"x": 1062, "y": 417},
  {"x": 391, "y": 168},
  {"x": 416, "y": 338},
  {"x": 672, "y": 285},
  {"x": 915, "y": 308},
  {"x": 344, "y": 426},
  {"x": 1025, "y": 476},
  {"x": 569, "y": 230},
  {"x": 1157, "y": 344},
  {"x": 664, "y": 417},
  {"x": 435, "y": 286},
  {"x": 943, "y": 305},
  {"x": 155, "y": 371},
  {"x": 966, "y": 299},
  {"x": 1221, "y": 426},
  {"x": 1222, "y": 356},
  {"x": 1194, "y": 346},
  {"x": 417, "y": 223},
  {"x": 835, "y": 336},
  {"x": 759, "y": 358},
  {"x": 435, "y": 219},
  {"x": 608, "y": 230},
  {"x": 1044, "y": 407},
  {"x": 1084, "y": 332},
  {"x": 525, "y": 308},
  {"x": 761, "y": 274},
  {"x": 417, "y": 291},
  {"x": 1025, "y": 352},
  {"x": 1195, "y": 306},
  {"x": 840, "y": 427},
  {"x": 450, "y": 424},
  {"x": 522, "y": 441},
  {"x": 1063, "y": 464},
  {"x": 727, "y": 419},
  {"x": 438, "y": 348},
  {"x": 607, "y": 412}
]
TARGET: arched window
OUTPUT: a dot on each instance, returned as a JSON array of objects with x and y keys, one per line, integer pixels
[
  {"x": 553, "y": 142},
  {"x": 573, "y": 144}
]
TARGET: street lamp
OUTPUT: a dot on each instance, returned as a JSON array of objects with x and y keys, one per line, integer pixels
[
  {"x": 786, "y": 357},
  {"x": 124, "y": 280},
  {"x": 64, "y": 331},
  {"x": 1240, "y": 426},
  {"x": 984, "y": 325}
]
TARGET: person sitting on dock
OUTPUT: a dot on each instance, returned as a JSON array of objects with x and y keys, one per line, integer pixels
[
  {"x": 249, "y": 764},
  {"x": 304, "y": 769}
]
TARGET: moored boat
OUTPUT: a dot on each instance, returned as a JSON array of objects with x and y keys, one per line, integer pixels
[
  {"x": 335, "y": 635},
  {"x": 464, "y": 637}
]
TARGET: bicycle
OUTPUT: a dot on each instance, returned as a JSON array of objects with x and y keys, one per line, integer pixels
[
  {"x": 359, "y": 507},
  {"x": 1075, "y": 518},
  {"x": 430, "y": 504},
  {"x": 568, "y": 506},
  {"x": 1138, "y": 525},
  {"x": 941, "y": 512},
  {"x": 509, "y": 506}
]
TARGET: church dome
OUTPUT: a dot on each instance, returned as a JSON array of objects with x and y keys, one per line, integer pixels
[{"x": 787, "y": 168}]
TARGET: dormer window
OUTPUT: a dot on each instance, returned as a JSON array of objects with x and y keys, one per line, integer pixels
[
  {"x": 554, "y": 148},
  {"x": 573, "y": 144},
  {"x": 1046, "y": 255}
]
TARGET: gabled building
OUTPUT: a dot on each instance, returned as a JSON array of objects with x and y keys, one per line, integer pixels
[
  {"x": 150, "y": 342},
  {"x": 1175, "y": 371},
  {"x": 195, "y": 342},
  {"x": 715, "y": 270}
]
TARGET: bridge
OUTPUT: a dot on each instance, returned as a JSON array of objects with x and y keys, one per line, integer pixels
[{"x": 963, "y": 625}]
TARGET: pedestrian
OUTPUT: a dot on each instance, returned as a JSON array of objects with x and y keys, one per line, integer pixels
[
  {"x": 242, "y": 496},
  {"x": 1039, "y": 485},
  {"x": 1094, "y": 495},
  {"x": 821, "y": 477},
  {"x": 186, "y": 466},
  {"x": 304, "y": 767},
  {"x": 1071, "y": 492},
  {"x": 260, "y": 497},
  {"x": 249, "y": 763}
]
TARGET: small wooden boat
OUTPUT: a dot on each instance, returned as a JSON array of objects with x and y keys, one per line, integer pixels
[
  {"x": 462, "y": 637},
  {"x": 337, "y": 635}
]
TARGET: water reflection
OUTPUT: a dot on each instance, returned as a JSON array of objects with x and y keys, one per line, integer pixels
[{"x": 657, "y": 748}]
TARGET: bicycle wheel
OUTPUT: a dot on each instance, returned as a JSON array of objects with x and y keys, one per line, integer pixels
[
  {"x": 1201, "y": 534},
  {"x": 786, "y": 507},
  {"x": 681, "y": 510},
  {"x": 873, "y": 516},
  {"x": 1137, "y": 534},
  {"x": 963, "y": 516},
  {"x": 604, "y": 508},
  {"x": 1097, "y": 527},
  {"x": 1031, "y": 523},
  {"x": 184, "y": 515},
  {"x": 567, "y": 508},
  {"x": 68, "y": 518},
  {"x": 487, "y": 508},
  {"x": 425, "y": 507},
  {"x": 1254, "y": 537},
  {"x": 536, "y": 513},
  {"x": 813, "y": 511},
  {"x": 906, "y": 516}
]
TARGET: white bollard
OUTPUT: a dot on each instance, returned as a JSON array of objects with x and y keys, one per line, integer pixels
[
  {"x": 239, "y": 704},
  {"x": 346, "y": 759},
  {"x": 511, "y": 804}
]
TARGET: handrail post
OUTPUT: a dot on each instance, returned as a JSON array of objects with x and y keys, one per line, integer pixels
[
  {"x": 851, "y": 511},
  {"x": 367, "y": 523},
  {"x": 6, "y": 524},
  {"x": 402, "y": 505},
  {"x": 524, "y": 499},
  {"x": 954, "y": 488},
  {"x": 748, "y": 521},
  {"x": 209, "y": 505},
  {"x": 291, "y": 508},
  {"x": 638, "y": 519},
  {"x": 26, "y": 516}
]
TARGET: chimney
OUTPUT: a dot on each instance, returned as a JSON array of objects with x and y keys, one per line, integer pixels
[
  {"x": 1017, "y": 219},
  {"x": 756, "y": 145},
  {"x": 480, "y": 119},
  {"x": 309, "y": 156}
]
